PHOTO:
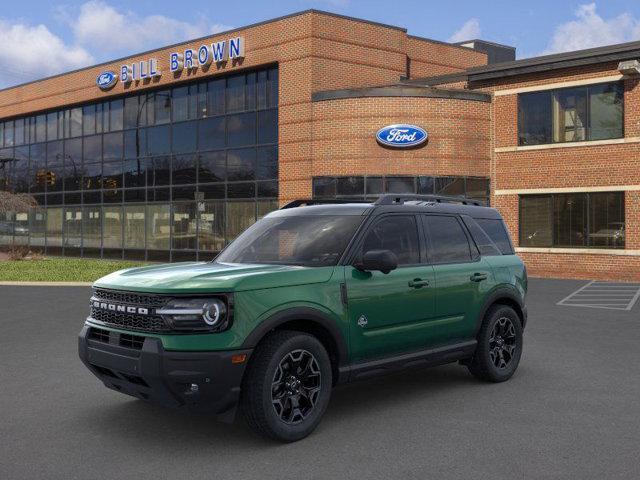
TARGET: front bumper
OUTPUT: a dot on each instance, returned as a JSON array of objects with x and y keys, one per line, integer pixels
[{"x": 139, "y": 366}]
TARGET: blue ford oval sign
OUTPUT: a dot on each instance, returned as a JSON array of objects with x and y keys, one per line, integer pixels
[
  {"x": 401, "y": 136},
  {"x": 106, "y": 80}
]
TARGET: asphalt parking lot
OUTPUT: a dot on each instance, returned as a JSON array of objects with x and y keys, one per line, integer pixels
[{"x": 571, "y": 411}]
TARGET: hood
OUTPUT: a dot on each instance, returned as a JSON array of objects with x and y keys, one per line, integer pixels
[{"x": 201, "y": 277}]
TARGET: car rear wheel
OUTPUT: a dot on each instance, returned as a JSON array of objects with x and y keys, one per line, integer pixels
[
  {"x": 499, "y": 345},
  {"x": 287, "y": 386}
]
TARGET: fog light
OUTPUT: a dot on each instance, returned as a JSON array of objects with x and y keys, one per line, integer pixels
[{"x": 193, "y": 388}]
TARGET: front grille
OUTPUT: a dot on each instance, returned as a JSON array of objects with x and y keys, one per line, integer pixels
[
  {"x": 131, "y": 341},
  {"x": 99, "y": 335},
  {"x": 128, "y": 320},
  {"x": 130, "y": 298}
]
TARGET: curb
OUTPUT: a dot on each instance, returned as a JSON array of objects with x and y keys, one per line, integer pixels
[{"x": 47, "y": 284}]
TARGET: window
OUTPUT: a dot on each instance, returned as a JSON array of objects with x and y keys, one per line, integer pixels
[
  {"x": 107, "y": 171},
  {"x": 398, "y": 234},
  {"x": 593, "y": 112},
  {"x": 309, "y": 240},
  {"x": 485, "y": 245},
  {"x": 448, "y": 242},
  {"x": 497, "y": 232},
  {"x": 594, "y": 220},
  {"x": 362, "y": 188}
]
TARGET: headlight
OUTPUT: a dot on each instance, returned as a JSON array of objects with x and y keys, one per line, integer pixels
[{"x": 208, "y": 314}]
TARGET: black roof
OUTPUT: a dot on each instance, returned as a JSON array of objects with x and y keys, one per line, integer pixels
[
  {"x": 339, "y": 207},
  {"x": 590, "y": 56}
]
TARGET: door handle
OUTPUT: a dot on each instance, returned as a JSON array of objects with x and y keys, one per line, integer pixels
[
  {"x": 418, "y": 283},
  {"x": 478, "y": 277}
]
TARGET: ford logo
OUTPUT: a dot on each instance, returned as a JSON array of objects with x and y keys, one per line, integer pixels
[
  {"x": 106, "y": 80},
  {"x": 401, "y": 136}
]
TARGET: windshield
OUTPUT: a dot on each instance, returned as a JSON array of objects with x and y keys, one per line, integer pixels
[{"x": 308, "y": 240}]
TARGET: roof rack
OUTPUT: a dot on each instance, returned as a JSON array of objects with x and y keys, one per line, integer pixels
[
  {"x": 390, "y": 199},
  {"x": 308, "y": 202}
]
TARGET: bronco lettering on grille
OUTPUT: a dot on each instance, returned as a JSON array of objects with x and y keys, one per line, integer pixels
[{"x": 119, "y": 308}]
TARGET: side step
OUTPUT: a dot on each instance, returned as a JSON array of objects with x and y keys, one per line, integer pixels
[{"x": 423, "y": 358}]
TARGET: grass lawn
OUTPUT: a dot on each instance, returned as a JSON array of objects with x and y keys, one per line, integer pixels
[{"x": 60, "y": 269}]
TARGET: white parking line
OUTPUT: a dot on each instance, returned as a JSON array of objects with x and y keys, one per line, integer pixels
[{"x": 612, "y": 296}]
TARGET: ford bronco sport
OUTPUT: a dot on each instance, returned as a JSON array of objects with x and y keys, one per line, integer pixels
[{"x": 311, "y": 296}]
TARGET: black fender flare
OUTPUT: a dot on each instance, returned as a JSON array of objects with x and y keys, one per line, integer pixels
[
  {"x": 306, "y": 314},
  {"x": 495, "y": 297}
]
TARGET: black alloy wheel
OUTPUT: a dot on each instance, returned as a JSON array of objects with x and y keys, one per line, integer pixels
[
  {"x": 502, "y": 343},
  {"x": 296, "y": 385},
  {"x": 499, "y": 347}
]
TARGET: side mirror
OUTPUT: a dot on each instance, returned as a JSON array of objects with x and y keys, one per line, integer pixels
[{"x": 382, "y": 260}]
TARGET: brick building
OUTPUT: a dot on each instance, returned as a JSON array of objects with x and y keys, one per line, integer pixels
[{"x": 169, "y": 154}]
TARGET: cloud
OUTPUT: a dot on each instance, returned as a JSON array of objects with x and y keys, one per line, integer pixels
[
  {"x": 469, "y": 31},
  {"x": 107, "y": 30},
  {"x": 28, "y": 52},
  {"x": 98, "y": 32},
  {"x": 591, "y": 30}
]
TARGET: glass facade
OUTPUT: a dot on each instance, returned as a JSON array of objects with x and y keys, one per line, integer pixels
[
  {"x": 160, "y": 175},
  {"x": 573, "y": 220},
  {"x": 371, "y": 187}
]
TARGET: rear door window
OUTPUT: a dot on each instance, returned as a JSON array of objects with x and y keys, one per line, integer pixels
[
  {"x": 497, "y": 232},
  {"x": 485, "y": 245},
  {"x": 448, "y": 243}
]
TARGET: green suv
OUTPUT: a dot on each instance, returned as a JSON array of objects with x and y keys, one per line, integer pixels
[{"x": 311, "y": 296}]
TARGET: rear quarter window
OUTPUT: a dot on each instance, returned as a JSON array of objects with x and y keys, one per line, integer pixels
[{"x": 497, "y": 232}]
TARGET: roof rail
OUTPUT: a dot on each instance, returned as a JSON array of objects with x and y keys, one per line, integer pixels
[
  {"x": 308, "y": 202},
  {"x": 390, "y": 199}
]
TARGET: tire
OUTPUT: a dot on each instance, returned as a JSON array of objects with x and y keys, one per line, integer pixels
[
  {"x": 270, "y": 393},
  {"x": 499, "y": 345}
]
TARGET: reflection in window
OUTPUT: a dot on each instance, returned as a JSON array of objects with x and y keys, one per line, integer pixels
[
  {"x": 158, "y": 227},
  {"x": 595, "y": 220},
  {"x": 54, "y": 227},
  {"x": 240, "y": 215},
  {"x": 92, "y": 227},
  {"x": 184, "y": 226},
  {"x": 134, "y": 226},
  {"x": 593, "y": 112},
  {"x": 241, "y": 164},
  {"x": 37, "y": 226},
  {"x": 241, "y": 129},
  {"x": 73, "y": 227},
  {"x": 211, "y": 133},
  {"x": 112, "y": 225},
  {"x": 211, "y": 227}
]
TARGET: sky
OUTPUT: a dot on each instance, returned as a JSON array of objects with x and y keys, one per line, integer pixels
[{"x": 39, "y": 38}]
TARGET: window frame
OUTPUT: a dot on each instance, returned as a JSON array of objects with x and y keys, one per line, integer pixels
[
  {"x": 552, "y": 93},
  {"x": 588, "y": 196},
  {"x": 353, "y": 248},
  {"x": 474, "y": 253}
]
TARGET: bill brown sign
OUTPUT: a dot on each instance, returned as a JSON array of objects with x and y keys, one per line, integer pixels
[{"x": 189, "y": 59}]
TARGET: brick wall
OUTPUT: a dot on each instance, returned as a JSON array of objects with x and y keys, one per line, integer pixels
[
  {"x": 344, "y": 137},
  {"x": 580, "y": 167}
]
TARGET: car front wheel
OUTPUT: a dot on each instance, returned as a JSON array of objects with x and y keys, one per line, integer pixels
[{"x": 287, "y": 386}]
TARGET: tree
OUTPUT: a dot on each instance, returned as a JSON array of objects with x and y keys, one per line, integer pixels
[{"x": 16, "y": 202}]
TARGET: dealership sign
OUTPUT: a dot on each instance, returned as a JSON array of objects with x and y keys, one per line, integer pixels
[
  {"x": 401, "y": 136},
  {"x": 106, "y": 80},
  {"x": 189, "y": 59}
]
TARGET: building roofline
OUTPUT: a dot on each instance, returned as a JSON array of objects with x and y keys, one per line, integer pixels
[
  {"x": 556, "y": 61},
  {"x": 400, "y": 90},
  {"x": 495, "y": 44},
  {"x": 436, "y": 79},
  {"x": 441, "y": 42},
  {"x": 225, "y": 32}
]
